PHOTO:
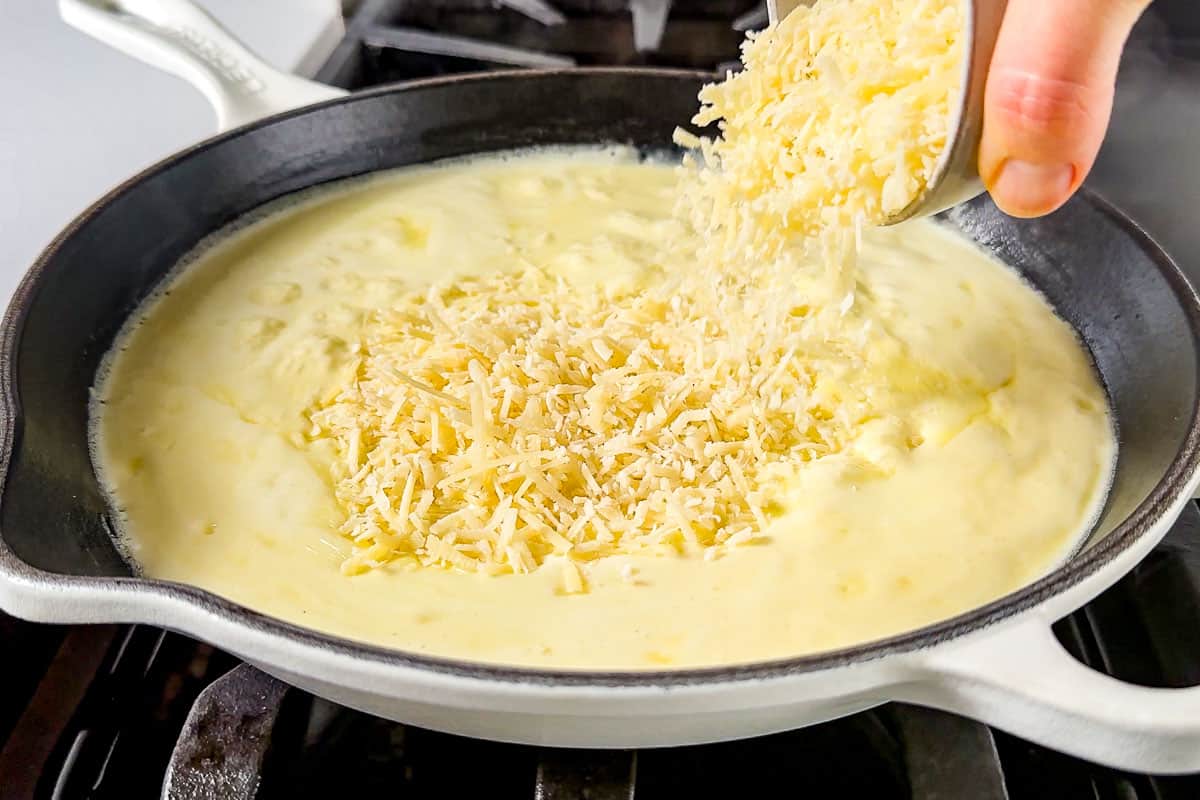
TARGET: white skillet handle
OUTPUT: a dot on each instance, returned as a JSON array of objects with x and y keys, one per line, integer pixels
[
  {"x": 1020, "y": 679},
  {"x": 178, "y": 37}
]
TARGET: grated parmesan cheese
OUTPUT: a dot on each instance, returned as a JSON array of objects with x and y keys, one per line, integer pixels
[
  {"x": 496, "y": 423},
  {"x": 503, "y": 422},
  {"x": 837, "y": 120}
]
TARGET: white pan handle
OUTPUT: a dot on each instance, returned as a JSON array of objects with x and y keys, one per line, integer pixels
[
  {"x": 1020, "y": 679},
  {"x": 178, "y": 37}
]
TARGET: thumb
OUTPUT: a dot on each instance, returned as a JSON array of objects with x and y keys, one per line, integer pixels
[{"x": 1048, "y": 99}]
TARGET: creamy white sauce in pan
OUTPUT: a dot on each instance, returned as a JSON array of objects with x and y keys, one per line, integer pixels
[{"x": 200, "y": 419}]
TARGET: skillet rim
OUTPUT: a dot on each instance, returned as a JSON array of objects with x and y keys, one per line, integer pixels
[{"x": 1143, "y": 519}]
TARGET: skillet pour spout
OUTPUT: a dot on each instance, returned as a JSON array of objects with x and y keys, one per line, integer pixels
[{"x": 1131, "y": 306}]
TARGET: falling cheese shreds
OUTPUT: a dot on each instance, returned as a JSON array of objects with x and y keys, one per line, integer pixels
[
  {"x": 484, "y": 430},
  {"x": 495, "y": 423},
  {"x": 838, "y": 119}
]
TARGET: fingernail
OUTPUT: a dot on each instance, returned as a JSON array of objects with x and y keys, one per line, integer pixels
[{"x": 1025, "y": 189}]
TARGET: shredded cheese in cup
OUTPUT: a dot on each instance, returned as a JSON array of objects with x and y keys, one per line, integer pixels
[{"x": 837, "y": 120}]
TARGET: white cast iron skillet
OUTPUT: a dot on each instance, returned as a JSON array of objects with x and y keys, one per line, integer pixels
[{"x": 999, "y": 664}]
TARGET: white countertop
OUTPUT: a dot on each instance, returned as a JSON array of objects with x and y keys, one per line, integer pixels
[{"x": 81, "y": 117}]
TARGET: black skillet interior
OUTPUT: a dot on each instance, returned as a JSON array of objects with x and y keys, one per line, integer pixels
[{"x": 1130, "y": 305}]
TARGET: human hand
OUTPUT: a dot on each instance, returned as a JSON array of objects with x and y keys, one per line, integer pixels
[{"x": 1049, "y": 97}]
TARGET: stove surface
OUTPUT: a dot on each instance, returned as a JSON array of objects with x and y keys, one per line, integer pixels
[
  {"x": 133, "y": 712},
  {"x": 1150, "y": 163}
]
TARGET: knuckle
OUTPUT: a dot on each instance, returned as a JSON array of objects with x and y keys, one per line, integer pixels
[{"x": 1040, "y": 105}]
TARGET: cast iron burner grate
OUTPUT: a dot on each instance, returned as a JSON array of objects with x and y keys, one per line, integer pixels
[
  {"x": 133, "y": 712},
  {"x": 390, "y": 40}
]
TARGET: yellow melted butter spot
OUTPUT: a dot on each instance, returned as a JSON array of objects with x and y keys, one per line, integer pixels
[
  {"x": 410, "y": 233},
  {"x": 275, "y": 294},
  {"x": 342, "y": 282},
  {"x": 852, "y": 586},
  {"x": 257, "y": 333}
]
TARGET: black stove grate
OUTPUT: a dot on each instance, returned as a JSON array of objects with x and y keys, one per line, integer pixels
[
  {"x": 124, "y": 711},
  {"x": 392, "y": 40}
]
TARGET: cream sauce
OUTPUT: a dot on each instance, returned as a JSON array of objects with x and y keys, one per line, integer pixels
[{"x": 200, "y": 419}]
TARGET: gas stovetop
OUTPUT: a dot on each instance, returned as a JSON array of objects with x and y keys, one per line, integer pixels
[{"x": 130, "y": 711}]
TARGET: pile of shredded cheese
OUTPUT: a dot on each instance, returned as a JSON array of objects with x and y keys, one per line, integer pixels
[
  {"x": 837, "y": 120},
  {"x": 498, "y": 422}
]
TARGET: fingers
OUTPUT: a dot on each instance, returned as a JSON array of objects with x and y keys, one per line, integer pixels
[{"x": 1048, "y": 99}]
